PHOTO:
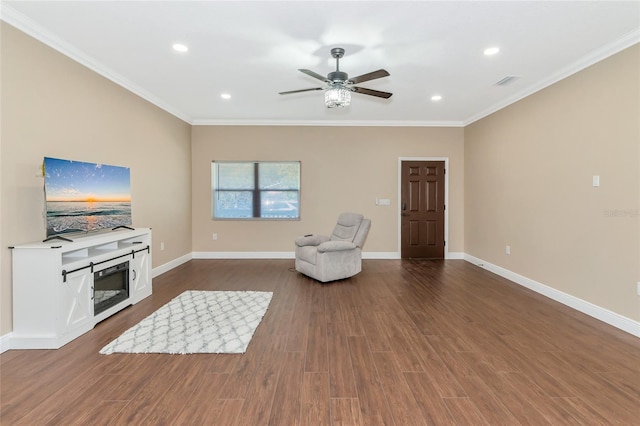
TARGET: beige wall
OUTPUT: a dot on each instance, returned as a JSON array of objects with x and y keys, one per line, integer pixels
[
  {"x": 528, "y": 184},
  {"x": 521, "y": 176},
  {"x": 342, "y": 169},
  {"x": 52, "y": 106}
]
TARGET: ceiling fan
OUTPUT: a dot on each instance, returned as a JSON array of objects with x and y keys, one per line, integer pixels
[{"x": 340, "y": 86}]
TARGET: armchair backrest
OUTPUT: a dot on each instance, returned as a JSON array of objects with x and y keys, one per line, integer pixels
[
  {"x": 361, "y": 235},
  {"x": 351, "y": 227}
]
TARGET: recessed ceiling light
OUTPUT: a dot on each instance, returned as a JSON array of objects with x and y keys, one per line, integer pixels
[
  {"x": 180, "y": 48},
  {"x": 225, "y": 96},
  {"x": 436, "y": 98},
  {"x": 491, "y": 51}
]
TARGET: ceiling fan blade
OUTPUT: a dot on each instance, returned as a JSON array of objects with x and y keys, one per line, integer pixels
[
  {"x": 315, "y": 75},
  {"x": 369, "y": 76},
  {"x": 371, "y": 92},
  {"x": 301, "y": 90}
]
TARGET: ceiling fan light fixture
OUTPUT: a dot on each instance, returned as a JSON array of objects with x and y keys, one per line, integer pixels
[
  {"x": 337, "y": 97},
  {"x": 338, "y": 92}
]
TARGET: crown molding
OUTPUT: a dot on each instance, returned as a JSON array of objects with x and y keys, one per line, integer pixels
[
  {"x": 592, "y": 58},
  {"x": 31, "y": 28},
  {"x": 332, "y": 123}
]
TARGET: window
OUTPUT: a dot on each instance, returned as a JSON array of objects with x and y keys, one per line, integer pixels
[{"x": 256, "y": 190}]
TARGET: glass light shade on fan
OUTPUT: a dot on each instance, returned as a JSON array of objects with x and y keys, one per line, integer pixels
[{"x": 337, "y": 97}]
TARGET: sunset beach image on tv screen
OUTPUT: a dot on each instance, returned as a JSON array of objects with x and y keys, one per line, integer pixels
[{"x": 82, "y": 197}]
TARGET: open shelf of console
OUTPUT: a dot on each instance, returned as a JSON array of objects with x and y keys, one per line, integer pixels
[{"x": 59, "y": 287}]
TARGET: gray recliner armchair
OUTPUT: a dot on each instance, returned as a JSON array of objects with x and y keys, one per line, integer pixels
[{"x": 336, "y": 257}]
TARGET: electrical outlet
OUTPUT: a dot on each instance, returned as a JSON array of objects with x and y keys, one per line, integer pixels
[
  {"x": 507, "y": 250},
  {"x": 638, "y": 288},
  {"x": 161, "y": 245},
  {"x": 215, "y": 236}
]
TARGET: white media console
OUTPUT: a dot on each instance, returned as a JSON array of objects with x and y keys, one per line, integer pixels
[{"x": 62, "y": 289}]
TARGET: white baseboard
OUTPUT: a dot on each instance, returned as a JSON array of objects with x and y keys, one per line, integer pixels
[
  {"x": 396, "y": 255},
  {"x": 380, "y": 255},
  {"x": 170, "y": 265},
  {"x": 616, "y": 320},
  {"x": 5, "y": 342},
  {"x": 279, "y": 255},
  {"x": 243, "y": 255}
]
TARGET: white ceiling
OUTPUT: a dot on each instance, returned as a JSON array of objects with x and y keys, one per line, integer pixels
[{"x": 252, "y": 50}]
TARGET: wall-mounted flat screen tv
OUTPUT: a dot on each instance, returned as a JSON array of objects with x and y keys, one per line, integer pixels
[{"x": 83, "y": 197}]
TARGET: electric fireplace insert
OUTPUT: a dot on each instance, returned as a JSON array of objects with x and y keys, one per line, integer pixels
[{"x": 110, "y": 287}]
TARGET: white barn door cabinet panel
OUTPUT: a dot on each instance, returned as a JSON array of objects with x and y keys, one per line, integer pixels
[
  {"x": 62, "y": 289},
  {"x": 141, "y": 276}
]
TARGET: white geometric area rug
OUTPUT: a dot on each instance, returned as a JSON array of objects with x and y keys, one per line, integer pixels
[{"x": 197, "y": 322}]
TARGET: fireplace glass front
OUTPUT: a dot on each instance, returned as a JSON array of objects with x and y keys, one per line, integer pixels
[{"x": 110, "y": 287}]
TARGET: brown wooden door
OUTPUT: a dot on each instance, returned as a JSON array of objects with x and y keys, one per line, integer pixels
[{"x": 422, "y": 209}]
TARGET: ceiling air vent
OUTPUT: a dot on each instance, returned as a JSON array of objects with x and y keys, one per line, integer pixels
[{"x": 507, "y": 80}]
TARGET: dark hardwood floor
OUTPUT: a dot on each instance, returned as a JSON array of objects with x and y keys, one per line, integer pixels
[{"x": 404, "y": 343}]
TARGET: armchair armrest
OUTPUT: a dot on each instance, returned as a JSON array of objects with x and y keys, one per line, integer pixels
[
  {"x": 311, "y": 240},
  {"x": 336, "y": 246}
]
